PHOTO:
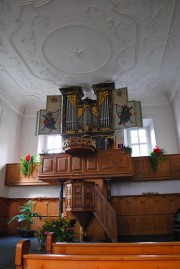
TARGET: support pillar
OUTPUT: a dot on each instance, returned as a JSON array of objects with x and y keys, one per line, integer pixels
[
  {"x": 61, "y": 182},
  {"x": 108, "y": 186}
]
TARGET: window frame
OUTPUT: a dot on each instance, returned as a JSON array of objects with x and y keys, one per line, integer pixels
[{"x": 148, "y": 143}]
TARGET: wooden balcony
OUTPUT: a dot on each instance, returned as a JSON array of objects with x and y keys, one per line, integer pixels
[{"x": 115, "y": 164}]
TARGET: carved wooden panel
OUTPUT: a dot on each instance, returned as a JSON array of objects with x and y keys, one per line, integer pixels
[
  {"x": 175, "y": 164},
  {"x": 110, "y": 163},
  {"x": 13, "y": 176},
  {"x": 164, "y": 169},
  {"x": 91, "y": 165},
  {"x": 122, "y": 162},
  {"x": 62, "y": 164},
  {"x": 168, "y": 169},
  {"x": 47, "y": 207},
  {"x": 106, "y": 162},
  {"x": 89, "y": 196},
  {"x": 13, "y": 208},
  {"x": 136, "y": 215},
  {"x": 76, "y": 165},
  {"x": 12, "y": 173},
  {"x": 48, "y": 166},
  {"x": 140, "y": 215},
  {"x": 79, "y": 196},
  {"x": 139, "y": 167}
]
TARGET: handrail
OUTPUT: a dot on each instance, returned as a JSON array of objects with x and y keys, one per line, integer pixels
[{"x": 105, "y": 215}]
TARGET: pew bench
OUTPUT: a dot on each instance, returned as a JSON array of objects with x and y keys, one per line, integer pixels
[
  {"x": 23, "y": 260},
  {"x": 148, "y": 248}
]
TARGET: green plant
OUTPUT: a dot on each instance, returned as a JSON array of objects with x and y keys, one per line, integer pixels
[
  {"x": 62, "y": 227},
  {"x": 26, "y": 215},
  {"x": 28, "y": 163},
  {"x": 156, "y": 156},
  {"x": 127, "y": 149}
]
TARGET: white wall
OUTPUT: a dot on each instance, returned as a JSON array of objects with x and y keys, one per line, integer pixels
[
  {"x": 164, "y": 125},
  {"x": 10, "y": 128},
  {"x": 34, "y": 192},
  {"x": 138, "y": 188},
  {"x": 29, "y": 141},
  {"x": 176, "y": 113}
]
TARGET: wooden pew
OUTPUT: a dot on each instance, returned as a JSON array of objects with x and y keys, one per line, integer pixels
[
  {"x": 148, "y": 248},
  {"x": 52, "y": 261}
]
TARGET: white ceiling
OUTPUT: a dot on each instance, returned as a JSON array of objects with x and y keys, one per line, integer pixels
[{"x": 49, "y": 44}]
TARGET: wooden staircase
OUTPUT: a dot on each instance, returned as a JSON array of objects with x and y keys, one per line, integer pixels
[
  {"x": 105, "y": 215},
  {"x": 85, "y": 200}
]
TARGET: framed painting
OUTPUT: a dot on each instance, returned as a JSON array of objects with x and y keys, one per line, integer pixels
[
  {"x": 49, "y": 119},
  {"x": 48, "y": 122},
  {"x": 126, "y": 114},
  {"x": 120, "y": 100},
  {"x": 54, "y": 102}
]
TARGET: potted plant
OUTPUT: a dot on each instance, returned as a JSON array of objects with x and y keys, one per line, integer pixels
[
  {"x": 26, "y": 215},
  {"x": 63, "y": 228},
  {"x": 127, "y": 149}
]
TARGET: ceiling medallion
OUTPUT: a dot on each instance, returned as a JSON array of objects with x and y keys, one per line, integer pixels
[{"x": 77, "y": 52}]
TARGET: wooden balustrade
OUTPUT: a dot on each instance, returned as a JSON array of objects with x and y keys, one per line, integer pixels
[
  {"x": 14, "y": 177},
  {"x": 105, "y": 214},
  {"x": 115, "y": 164}
]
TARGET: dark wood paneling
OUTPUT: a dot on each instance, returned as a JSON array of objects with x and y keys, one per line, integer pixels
[
  {"x": 91, "y": 166},
  {"x": 136, "y": 215},
  {"x": 140, "y": 215},
  {"x": 48, "y": 165},
  {"x": 115, "y": 164},
  {"x": 104, "y": 163},
  {"x": 62, "y": 164},
  {"x": 3, "y": 215},
  {"x": 48, "y": 208},
  {"x": 168, "y": 169}
]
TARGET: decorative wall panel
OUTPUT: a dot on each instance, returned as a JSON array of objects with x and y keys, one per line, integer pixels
[
  {"x": 146, "y": 214},
  {"x": 136, "y": 215}
]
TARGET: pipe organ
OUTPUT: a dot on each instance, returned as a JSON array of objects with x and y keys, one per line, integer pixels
[
  {"x": 86, "y": 116},
  {"x": 88, "y": 122}
]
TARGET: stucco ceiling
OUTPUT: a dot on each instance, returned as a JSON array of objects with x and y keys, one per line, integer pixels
[{"x": 49, "y": 44}]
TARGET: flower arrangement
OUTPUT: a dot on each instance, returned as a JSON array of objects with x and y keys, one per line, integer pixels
[
  {"x": 156, "y": 157},
  {"x": 62, "y": 227},
  {"x": 28, "y": 163}
]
